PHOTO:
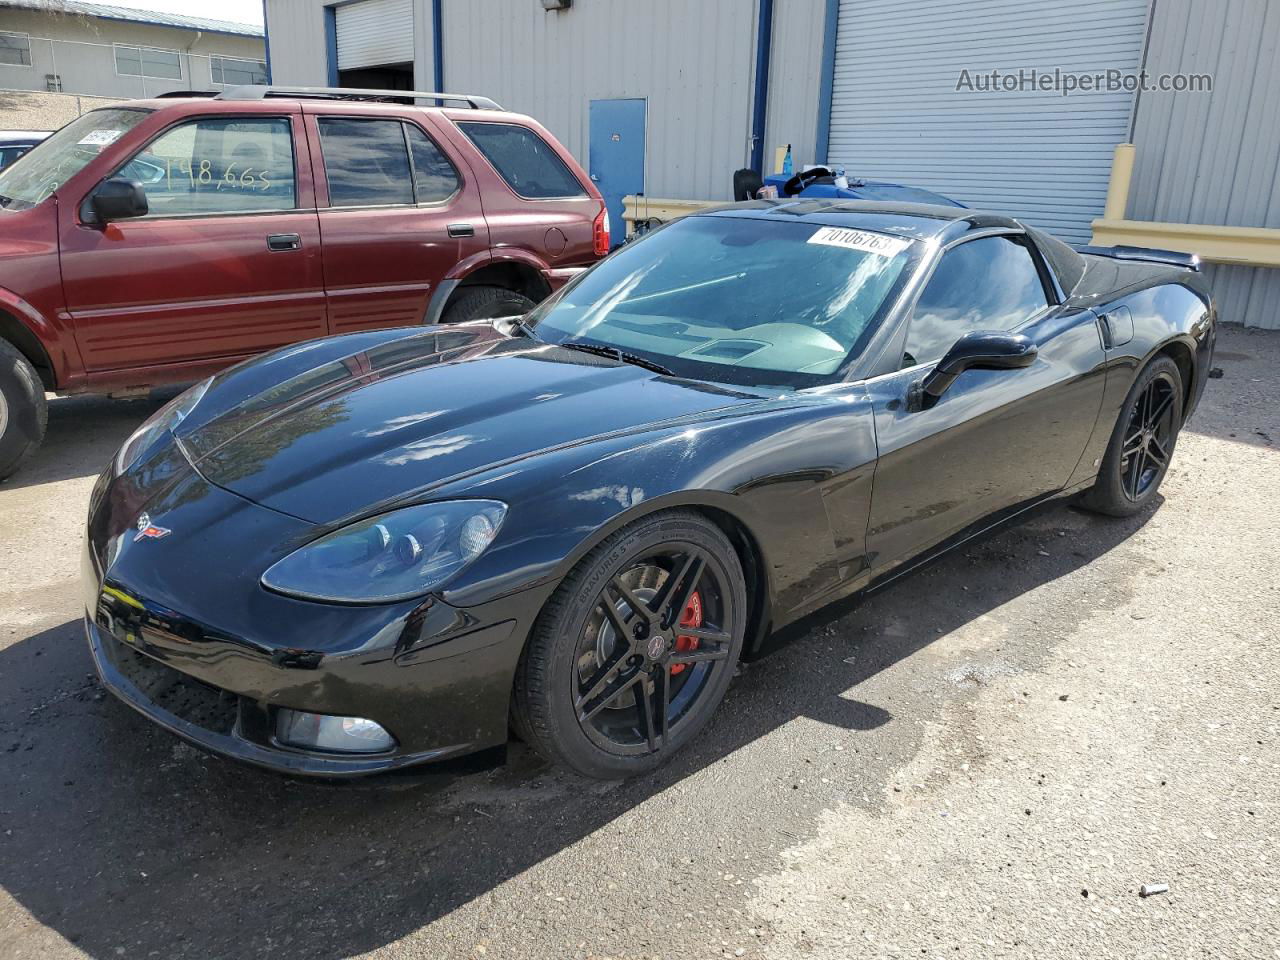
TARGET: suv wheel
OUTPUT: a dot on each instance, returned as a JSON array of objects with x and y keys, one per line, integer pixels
[
  {"x": 485, "y": 303},
  {"x": 23, "y": 410}
]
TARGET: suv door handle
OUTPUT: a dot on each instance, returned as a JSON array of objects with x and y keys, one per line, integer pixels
[
  {"x": 284, "y": 241},
  {"x": 461, "y": 230}
]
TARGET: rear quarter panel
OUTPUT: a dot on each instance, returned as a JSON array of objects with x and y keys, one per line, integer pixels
[
  {"x": 1172, "y": 312},
  {"x": 556, "y": 231}
]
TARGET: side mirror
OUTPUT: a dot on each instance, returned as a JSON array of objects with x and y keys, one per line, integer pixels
[
  {"x": 977, "y": 350},
  {"x": 119, "y": 199}
]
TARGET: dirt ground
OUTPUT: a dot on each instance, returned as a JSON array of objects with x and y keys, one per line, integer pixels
[{"x": 986, "y": 760}]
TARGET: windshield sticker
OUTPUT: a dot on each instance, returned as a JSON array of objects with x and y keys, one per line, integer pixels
[
  {"x": 860, "y": 240},
  {"x": 99, "y": 138}
]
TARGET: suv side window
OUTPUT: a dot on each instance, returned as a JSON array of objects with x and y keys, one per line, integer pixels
[
  {"x": 526, "y": 161},
  {"x": 434, "y": 177},
  {"x": 991, "y": 283},
  {"x": 218, "y": 165},
  {"x": 366, "y": 162}
]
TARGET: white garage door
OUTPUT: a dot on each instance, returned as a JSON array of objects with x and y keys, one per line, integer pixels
[
  {"x": 896, "y": 112},
  {"x": 374, "y": 32}
]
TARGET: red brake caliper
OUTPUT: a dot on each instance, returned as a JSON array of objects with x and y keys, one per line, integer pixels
[{"x": 692, "y": 617}]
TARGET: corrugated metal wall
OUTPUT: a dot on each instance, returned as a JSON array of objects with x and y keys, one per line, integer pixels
[
  {"x": 299, "y": 49},
  {"x": 796, "y": 68},
  {"x": 691, "y": 61},
  {"x": 1215, "y": 157},
  {"x": 299, "y": 53},
  {"x": 897, "y": 115},
  {"x": 374, "y": 32}
]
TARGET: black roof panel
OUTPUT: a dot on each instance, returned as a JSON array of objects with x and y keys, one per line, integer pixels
[{"x": 916, "y": 220}]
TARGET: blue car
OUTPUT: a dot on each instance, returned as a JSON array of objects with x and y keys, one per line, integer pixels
[
  {"x": 820, "y": 182},
  {"x": 14, "y": 143},
  {"x": 817, "y": 183}
]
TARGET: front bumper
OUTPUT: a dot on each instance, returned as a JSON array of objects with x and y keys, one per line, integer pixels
[
  {"x": 441, "y": 700},
  {"x": 227, "y": 724},
  {"x": 181, "y": 630}
]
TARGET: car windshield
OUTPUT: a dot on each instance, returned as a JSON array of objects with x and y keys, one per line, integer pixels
[
  {"x": 743, "y": 300},
  {"x": 54, "y": 160}
]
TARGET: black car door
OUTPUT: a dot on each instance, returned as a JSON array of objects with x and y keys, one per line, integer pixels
[{"x": 996, "y": 439}]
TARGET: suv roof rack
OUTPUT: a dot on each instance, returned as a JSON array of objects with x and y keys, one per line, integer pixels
[
  {"x": 343, "y": 93},
  {"x": 174, "y": 94}
]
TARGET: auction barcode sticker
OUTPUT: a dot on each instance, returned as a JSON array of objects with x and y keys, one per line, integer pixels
[
  {"x": 860, "y": 240},
  {"x": 99, "y": 138}
]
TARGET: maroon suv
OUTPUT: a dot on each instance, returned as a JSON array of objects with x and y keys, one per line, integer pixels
[{"x": 161, "y": 240}]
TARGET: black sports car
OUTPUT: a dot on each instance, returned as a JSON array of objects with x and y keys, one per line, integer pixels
[{"x": 386, "y": 548}]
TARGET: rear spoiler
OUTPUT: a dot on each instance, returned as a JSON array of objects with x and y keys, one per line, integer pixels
[{"x": 1170, "y": 258}]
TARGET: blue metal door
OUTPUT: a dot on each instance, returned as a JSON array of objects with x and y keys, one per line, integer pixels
[{"x": 616, "y": 161}]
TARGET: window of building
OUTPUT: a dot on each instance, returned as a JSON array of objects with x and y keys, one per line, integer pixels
[
  {"x": 235, "y": 72},
  {"x": 148, "y": 62},
  {"x": 15, "y": 49},
  {"x": 526, "y": 161},
  {"x": 986, "y": 284},
  {"x": 218, "y": 165}
]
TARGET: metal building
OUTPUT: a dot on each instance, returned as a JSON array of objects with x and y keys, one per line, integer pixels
[
  {"x": 1209, "y": 166},
  {"x": 103, "y": 50},
  {"x": 667, "y": 98}
]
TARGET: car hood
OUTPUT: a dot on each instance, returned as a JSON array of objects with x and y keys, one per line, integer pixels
[{"x": 351, "y": 433}]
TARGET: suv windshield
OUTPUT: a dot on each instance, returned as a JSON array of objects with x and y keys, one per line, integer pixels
[
  {"x": 54, "y": 160},
  {"x": 741, "y": 300}
]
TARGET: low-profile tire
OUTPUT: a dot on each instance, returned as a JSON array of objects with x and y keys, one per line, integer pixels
[
  {"x": 24, "y": 413},
  {"x": 1142, "y": 442},
  {"x": 485, "y": 303},
  {"x": 635, "y": 649}
]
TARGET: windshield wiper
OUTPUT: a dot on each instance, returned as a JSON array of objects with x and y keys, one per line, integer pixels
[
  {"x": 613, "y": 353},
  {"x": 518, "y": 324}
]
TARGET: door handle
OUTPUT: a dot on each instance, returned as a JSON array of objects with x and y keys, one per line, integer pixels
[
  {"x": 284, "y": 241},
  {"x": 461, "y": 230}
]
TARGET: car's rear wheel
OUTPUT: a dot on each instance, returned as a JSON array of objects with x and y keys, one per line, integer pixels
[
  {"x": 23, "y": 411},
  {"x": 1142, "y": 442},
  {"x": 635, "y": 649},
  {"x": 485, "y": 303}
]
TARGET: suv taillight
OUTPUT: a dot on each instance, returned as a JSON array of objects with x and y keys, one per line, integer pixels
[{"x": 600, "y": 233}]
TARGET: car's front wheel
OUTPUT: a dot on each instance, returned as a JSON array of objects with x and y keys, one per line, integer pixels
[
  {"x": 635, "y": 649},
  {"x": 1142, "y": 442},
  {"x": 23, "y": 412}
]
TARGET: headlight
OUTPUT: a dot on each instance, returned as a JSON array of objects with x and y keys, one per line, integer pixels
[
  {"x": 395, "y": 556},
  {"x": 164, "y": 419}
]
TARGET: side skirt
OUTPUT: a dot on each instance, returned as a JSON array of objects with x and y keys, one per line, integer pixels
[{"x": 843, "y": 602}]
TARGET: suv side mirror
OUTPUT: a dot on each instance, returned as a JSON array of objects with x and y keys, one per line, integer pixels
[
  {"x": 977, "y": 350},
  {"x": 119, "y": 199}
]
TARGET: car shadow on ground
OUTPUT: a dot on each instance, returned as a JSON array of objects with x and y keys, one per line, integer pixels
[{"x": 126, "y": 842}]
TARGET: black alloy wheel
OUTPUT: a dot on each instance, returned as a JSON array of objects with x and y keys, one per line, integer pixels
[
  {"x": 636, "y": 648},
  {"x": 1142, "y": 442},
  {"x": 658, "y": 632},
  {"x": 1149, "y": 439}
]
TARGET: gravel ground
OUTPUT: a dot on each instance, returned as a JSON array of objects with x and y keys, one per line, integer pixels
[{"x": 988, "y": 759}]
